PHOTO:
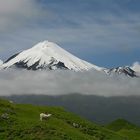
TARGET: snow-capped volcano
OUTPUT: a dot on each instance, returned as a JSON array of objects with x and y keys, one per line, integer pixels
[{"x": 47, "y": 55}]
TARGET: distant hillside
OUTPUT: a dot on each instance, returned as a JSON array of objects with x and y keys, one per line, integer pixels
[
  {"x": 21, "y": 122},
  {"x": 120, "y": 124},
  {"x": 95, "y": 108},
  {"x": 125, "y": 128}
]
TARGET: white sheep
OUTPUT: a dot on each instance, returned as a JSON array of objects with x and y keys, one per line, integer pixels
[
  {"x": 76, "y": 125},
  {"x": 44, "y": 116},
  {"x": 11, "y": 102}
]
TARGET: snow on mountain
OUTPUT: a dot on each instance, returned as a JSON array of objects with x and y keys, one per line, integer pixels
[
  {"x": 125, "y": 70},
  {"x": 136, "y": 67},
  {"x": 48, "y": 55}
]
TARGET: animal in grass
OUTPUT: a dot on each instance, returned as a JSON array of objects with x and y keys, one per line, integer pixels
[
  {"x": 44, "y": 116},
  {"x": 11, "y": 102},
  {"x": 5, "y": 116}
]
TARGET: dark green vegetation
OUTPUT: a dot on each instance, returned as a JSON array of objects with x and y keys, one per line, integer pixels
[
  {"x": 125, "y": 128},
  {"x": 99, "y": 109},
  {"x": 21, "y": 122}
]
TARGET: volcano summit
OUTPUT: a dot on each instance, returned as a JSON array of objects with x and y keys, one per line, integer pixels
[{"x": 47, "y": 55}]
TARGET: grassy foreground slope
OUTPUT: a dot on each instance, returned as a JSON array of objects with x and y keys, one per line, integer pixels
[{"x": 21, "y": 122}]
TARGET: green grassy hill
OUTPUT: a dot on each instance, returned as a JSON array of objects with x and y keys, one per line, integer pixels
[
  {"x": 125, "y": 128},
  {"x": 100, "y": 109},
  {"x": 21, "y": 122}
]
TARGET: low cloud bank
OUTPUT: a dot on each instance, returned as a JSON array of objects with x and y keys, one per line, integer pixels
[{"x": 66, "y": 82}]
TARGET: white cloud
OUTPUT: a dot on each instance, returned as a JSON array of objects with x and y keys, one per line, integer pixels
[
  {"x": 1, "y": 62},
  {"x": 60, "y": 82},
  {"x": 97, "y": 30},
  {"x": 13, "y": 13},
  {"x": 136, "y": 67}
]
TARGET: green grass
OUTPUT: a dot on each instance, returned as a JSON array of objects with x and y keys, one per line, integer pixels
[
  {"x": 125, "y": 128},
  {"x": 120, "y": 124},
  {"x": 24, "y": 124}
]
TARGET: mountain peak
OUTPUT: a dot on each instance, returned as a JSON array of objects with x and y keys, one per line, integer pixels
[
  {"x": 45, "y": 44},
  {"x": 125, "y": 70},
  {"x": 48, "y": 55}
]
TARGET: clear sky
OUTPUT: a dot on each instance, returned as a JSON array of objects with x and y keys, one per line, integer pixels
[{"x": 103, "y": 32}]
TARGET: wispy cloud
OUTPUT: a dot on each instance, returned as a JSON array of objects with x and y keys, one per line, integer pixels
[
  {"x": 79, "y": 26},
  {"x": 15, "y": 13},
  {"x": 60, "y": 82}
]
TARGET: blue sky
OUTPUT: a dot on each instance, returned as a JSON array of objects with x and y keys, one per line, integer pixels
[{"x": 103, "y": 32}]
